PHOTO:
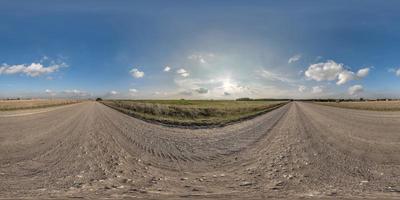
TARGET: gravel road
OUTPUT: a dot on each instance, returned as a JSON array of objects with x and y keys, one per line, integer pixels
[{"x": 300, "y": 150}]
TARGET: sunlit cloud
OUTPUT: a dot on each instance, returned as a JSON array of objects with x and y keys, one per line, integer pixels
[
  {"x": 182, "y": 72},
  {"x": 50, "y": 92},
  {"x": 395, "y": 71},
  {"x": 294, "y": 58},
  {"x": 167, "y": 69},
  {"x": 133, "y": 90},
  {"x": 302, "y": 88},
  {"x": 32, "y": 70},
  {"x": 201, "y": 58},
  {"x": 136, "y": 73},
  {"x": 317, "y": 89},
  {"x": 330, "y": 70},
  {"x": 355, "y": 89}
]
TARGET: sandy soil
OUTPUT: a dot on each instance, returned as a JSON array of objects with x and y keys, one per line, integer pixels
[{"x": 300, "y": 150}]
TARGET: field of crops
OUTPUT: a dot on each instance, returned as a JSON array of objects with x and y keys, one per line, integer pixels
[
  {"x": 193, "y": 112},
  {"x": 367, "y": 105},
  {"x": 8, "y": 105}
]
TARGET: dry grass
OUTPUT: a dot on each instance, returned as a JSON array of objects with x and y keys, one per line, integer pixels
[
  {"x": 7, "y": 105},
  {"x": 193, "y": 112},
  {"x": 368, "y": 105}
]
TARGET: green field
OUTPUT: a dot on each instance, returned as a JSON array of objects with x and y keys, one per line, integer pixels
[
  {"x": 366, "y": 105},
  {"x": 193, "y": 112}
]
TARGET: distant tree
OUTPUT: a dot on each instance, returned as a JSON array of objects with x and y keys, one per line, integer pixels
[
  {"x": 243, "y": 99},
  {"x": 99, "y": 99}
]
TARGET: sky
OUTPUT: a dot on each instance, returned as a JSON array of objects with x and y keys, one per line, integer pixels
[{"x": 199, "y": 49}]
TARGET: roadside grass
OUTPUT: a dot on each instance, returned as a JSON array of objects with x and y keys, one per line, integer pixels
[
  {"x": 193, "y": 113},
  {"x": 10, "y": 105},
  {"x": 366, "y": 105}
]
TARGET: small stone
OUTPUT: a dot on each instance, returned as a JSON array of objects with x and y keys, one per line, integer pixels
[{"x": 245, "y": 183}]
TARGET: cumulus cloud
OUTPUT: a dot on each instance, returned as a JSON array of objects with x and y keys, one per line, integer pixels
[
  {"x": 302, "y": 88},
  {"x": 395, "y": 71},
  {"x": 202, "y": 90},
  {"x": 294, "y": 58},
  {"x": 227, "y": 94},
  {"x": 112, "y": 92},
  {"x": 330, "y": 70},
  {"x": 317, "y": 89},
  {"x": 136, "y": 73},
  {"x": 363, "y": 72},
  {"x": 344, "y": 77},
  {"x": 355, "y": 89},
  {"x": 182, "y": 72},
  {"x": 32, "y": 70},
  {"x": 324, "y": 71},
  {"x": 167, "y": 69},
  {"x": 133, "y": 90}
]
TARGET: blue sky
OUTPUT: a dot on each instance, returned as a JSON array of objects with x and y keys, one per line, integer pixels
[{"x": 213, "y": 49}]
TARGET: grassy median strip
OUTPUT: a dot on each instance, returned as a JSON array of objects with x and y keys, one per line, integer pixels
[
  {"x": 366, "y": 105},
  {"x": 193, "y": 113},
  {"x": 10, "y": 105}
]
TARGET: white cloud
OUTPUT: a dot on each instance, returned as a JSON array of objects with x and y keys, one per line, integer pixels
[
  {"x": 331, "y": 70},
  {"x": 395, "y": 71},
  {"x": 50, "y": 92},
  {"x": 167, "y": 69},
  {"x": 302, "y": 88},
  {"x": 294, "y": 58},
  {"x": 112, "y": 92},
  {"x": 202, "y": 58},
  {"x": 202, "y": 90},
  {"x": 273, "y": 76},
  {"x": 182, "y": 72},
  {"x": 136, "y": 73},
  {"x": 75, "y": 93},
  {"x": 133, "y": 90},
  {"x": 32, "y": 70},
  {"x": 363, "y": 72},
  {"x": 344, "y": 77},
  {"x": 324, "y": 71},
  {"x": 317, "y": 89},
  {"x": 355, "y": 89}
]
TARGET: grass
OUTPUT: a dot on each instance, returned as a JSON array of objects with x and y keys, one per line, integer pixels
[
  {"x": 10, "y": 105},
  {"x": 193, "y": 112},
  {"x": 366, "y": 105}
]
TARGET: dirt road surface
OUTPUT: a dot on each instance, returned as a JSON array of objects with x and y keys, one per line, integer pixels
[{"x": 300, "y": 150}]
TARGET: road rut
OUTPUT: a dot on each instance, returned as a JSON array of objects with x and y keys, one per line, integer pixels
[{"x": 298, "y": 150}]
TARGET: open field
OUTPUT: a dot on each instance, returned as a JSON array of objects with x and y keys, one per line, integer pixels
[
  {"x": 298, "y": 151},
  {"x": 193, "y": 112},
  {"x": 366, "y": 105},
  {"x": 9, "y": 105}
]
